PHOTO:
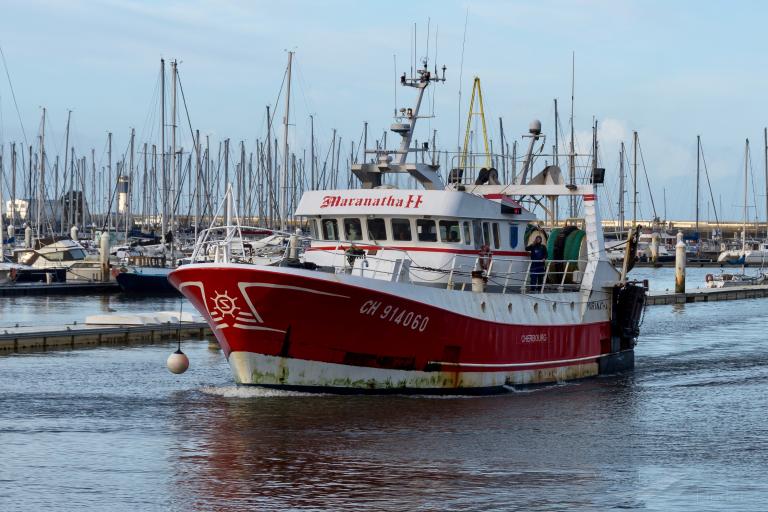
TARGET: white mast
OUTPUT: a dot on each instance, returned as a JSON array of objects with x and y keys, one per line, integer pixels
[
  {"x": 127, "y": 213},
  {"x": 312, "y": 152},
  {"x": 572, "y": 153},
  {"x": 197, "y": 181},
  {"x": 41, "y": 189},
  {"x": 108, "y": 188},
  {"x": 164, "y": 185},
  {"x": 634, "y": 180},
  {"x": 421, "y": 84},
  {"x": 2, "y": 226},
  {"x": 66, "y": 153},
  {"x": 698, "y": 173},
  {"x": 174, "y": 177},
  {"x": 621, "y": 188},
  {"x": 284, "y": 167},
  {"x": 746, "y": 192},
  {"x": 765, "y": 150}
]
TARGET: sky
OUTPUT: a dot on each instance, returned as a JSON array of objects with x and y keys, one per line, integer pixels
[{"x": 668, "y": 70}]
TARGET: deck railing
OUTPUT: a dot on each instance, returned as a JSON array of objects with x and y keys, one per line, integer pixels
[
  {"x": 498, "y": 274},
  {"x": 231, "y": 244}
]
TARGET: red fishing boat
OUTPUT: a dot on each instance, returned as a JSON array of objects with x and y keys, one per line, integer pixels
[{"x": 428, "y": 289}]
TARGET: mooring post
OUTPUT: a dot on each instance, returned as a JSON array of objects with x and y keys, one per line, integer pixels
[
  {"x": 654, "y": 247},
  {"x": 104, "y": 255},
  {"x": 680, "y": 264}
]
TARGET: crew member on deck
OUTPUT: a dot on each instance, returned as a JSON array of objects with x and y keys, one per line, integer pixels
[{"x": 538, "y": 257}]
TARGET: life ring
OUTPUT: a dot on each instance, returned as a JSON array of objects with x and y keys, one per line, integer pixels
[
  {"x": 709, "y": 278},
  {"x": 484, "y": 257}
]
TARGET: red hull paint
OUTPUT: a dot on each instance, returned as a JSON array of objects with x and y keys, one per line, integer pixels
[{"x": 298, "y": 316}]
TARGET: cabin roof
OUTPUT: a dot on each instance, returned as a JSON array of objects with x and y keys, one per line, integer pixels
[{"x": 415, "y": 203}]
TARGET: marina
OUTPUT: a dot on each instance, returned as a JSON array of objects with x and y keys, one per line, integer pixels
[{"x": 410, "y": 257}]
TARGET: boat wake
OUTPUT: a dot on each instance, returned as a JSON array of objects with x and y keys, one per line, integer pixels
[{"x": 250, "y": 392}]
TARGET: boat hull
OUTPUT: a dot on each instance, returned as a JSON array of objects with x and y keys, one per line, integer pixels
[
  {"x": 303, "y": 329},
  {"x": 155, "y": 283}
]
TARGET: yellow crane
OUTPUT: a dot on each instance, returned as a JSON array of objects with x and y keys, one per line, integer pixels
[{"x": 477, "y": 92}]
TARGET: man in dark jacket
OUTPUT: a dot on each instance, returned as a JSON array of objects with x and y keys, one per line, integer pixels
[{"x": 538, "y": 257}]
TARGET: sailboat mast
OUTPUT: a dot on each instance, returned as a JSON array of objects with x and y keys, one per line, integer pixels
[
  {"x": 698, "y": 167},
  {"x": 284, "y": 167},
  {"x": 746, "y": 193},
  {"x": 164, "y": 178},
  {"x": 572, "y": 153},
  {"x": 312, "y": 151},
  {"x": 634, "y": 179},
  {"x": 107, "y": 188},
  {"x": 2, "y": 226},
  {"x": 765, "y": 152},
  {"x": 594, "y": 145},
  {"x": 129, "y": 192},
  {"x": 621, "y": 187},
  {"x": 41, "y": 189},
  {"x": 197, "y": 181},
  {"x": 66, "y": 153},
  {"x": 174, "y": 177},
  {"x": 557, "y": 141},
  {"x": 13, "y": 185}
]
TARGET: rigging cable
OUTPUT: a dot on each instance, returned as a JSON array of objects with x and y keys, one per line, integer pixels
[
  {"x": 647, "y": 181},
  {"x": 709, "y": 185},
  {"x": 13, "y": 95},
  {"x": 461, "y": 77}
]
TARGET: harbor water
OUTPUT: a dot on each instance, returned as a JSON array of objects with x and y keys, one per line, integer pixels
[{"x": 112, "y": 429}]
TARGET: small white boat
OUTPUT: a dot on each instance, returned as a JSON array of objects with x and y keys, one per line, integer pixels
[
  {"x": 727, "y": 280},
  {"x": 66, "y": 254},
  {"x": 753, "y": 253}
]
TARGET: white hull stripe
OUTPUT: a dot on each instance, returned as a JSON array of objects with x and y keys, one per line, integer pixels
[
  {"x": 257, "y": 328},
  {"x": 243, "y": 286},
  {"x": 518, "y": 365}
]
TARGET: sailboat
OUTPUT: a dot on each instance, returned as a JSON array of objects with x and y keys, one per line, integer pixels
[
  {"x": 748, "y": 253},
  {"x": 153, "y": 278}
]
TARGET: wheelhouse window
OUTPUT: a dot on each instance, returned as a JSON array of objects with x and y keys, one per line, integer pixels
[
  {"x": 426, "y": 230},
  {"x": 477, "y": 233},
  {"x": 353, "y": 230},
  {"x": 486, "y": 234},
  {"x": 467, "y": 233},
  {"x": 401, "y": 230},
  {"x": 377, "y": 229},
  {"x": 450, "y": 231},
  {"x": 313, "y": 232},
  {"x": 330, "y": 229},
  {"x": 496, "y": 238},
  {"x": 513, "y": 229}
]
